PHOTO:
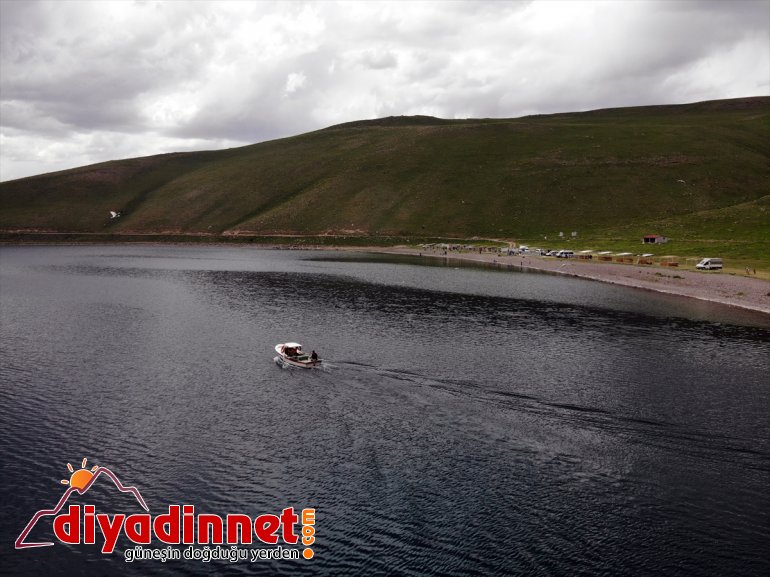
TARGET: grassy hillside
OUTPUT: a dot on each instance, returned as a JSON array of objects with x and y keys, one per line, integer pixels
[{"x": 698, "y": 171}]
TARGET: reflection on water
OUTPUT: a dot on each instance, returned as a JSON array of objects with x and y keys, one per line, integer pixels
[{"x": 471, "y": 421}]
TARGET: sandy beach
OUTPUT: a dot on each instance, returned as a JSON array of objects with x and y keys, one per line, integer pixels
[{"x": 740, "y": 291}]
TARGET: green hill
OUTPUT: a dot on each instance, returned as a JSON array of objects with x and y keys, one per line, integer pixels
[{"x": 690, "y": 171}]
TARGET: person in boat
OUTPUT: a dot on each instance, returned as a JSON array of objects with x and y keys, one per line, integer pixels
[{"x": 314, "y": 357}]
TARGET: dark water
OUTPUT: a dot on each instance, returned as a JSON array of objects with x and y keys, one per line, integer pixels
[{"x": 471, "y": 421}]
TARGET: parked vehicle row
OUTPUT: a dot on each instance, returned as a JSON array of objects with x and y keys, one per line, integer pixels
[
  {"x": 558, "y": 253},
  {"x": 622, "y": 257}
]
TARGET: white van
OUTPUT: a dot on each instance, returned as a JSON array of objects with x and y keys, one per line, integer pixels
[
  {"x": 709, "y": 264},
  {"x": 565, "y": 254}
]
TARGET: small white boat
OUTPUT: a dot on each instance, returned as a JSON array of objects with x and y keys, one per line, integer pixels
[{"x": 291, "y": 354}]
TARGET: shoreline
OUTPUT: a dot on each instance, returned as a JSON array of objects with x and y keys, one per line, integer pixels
[
  {"x": 739, "y": 291},
  {"x": 729, "y": 289}
]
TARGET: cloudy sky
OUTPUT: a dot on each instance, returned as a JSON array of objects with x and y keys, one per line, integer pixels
[{"x": 83, "y": 82}]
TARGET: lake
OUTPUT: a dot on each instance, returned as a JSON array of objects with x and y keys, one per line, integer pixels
[{"x": 467, "y": 421}]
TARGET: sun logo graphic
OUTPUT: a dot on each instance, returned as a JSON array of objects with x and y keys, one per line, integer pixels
[
  {"x": 80, "y": 481},
  {"x": 80, "y": 478}
]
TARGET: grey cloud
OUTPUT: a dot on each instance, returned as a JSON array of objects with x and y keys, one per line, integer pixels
[
  {"x": 378, "y": 59},
  {"x": 261, "y": 110},
  {"x": 90, "y": 78}
]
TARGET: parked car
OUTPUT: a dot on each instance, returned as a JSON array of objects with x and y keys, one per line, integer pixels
[{"x": 709, "y": 264}]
